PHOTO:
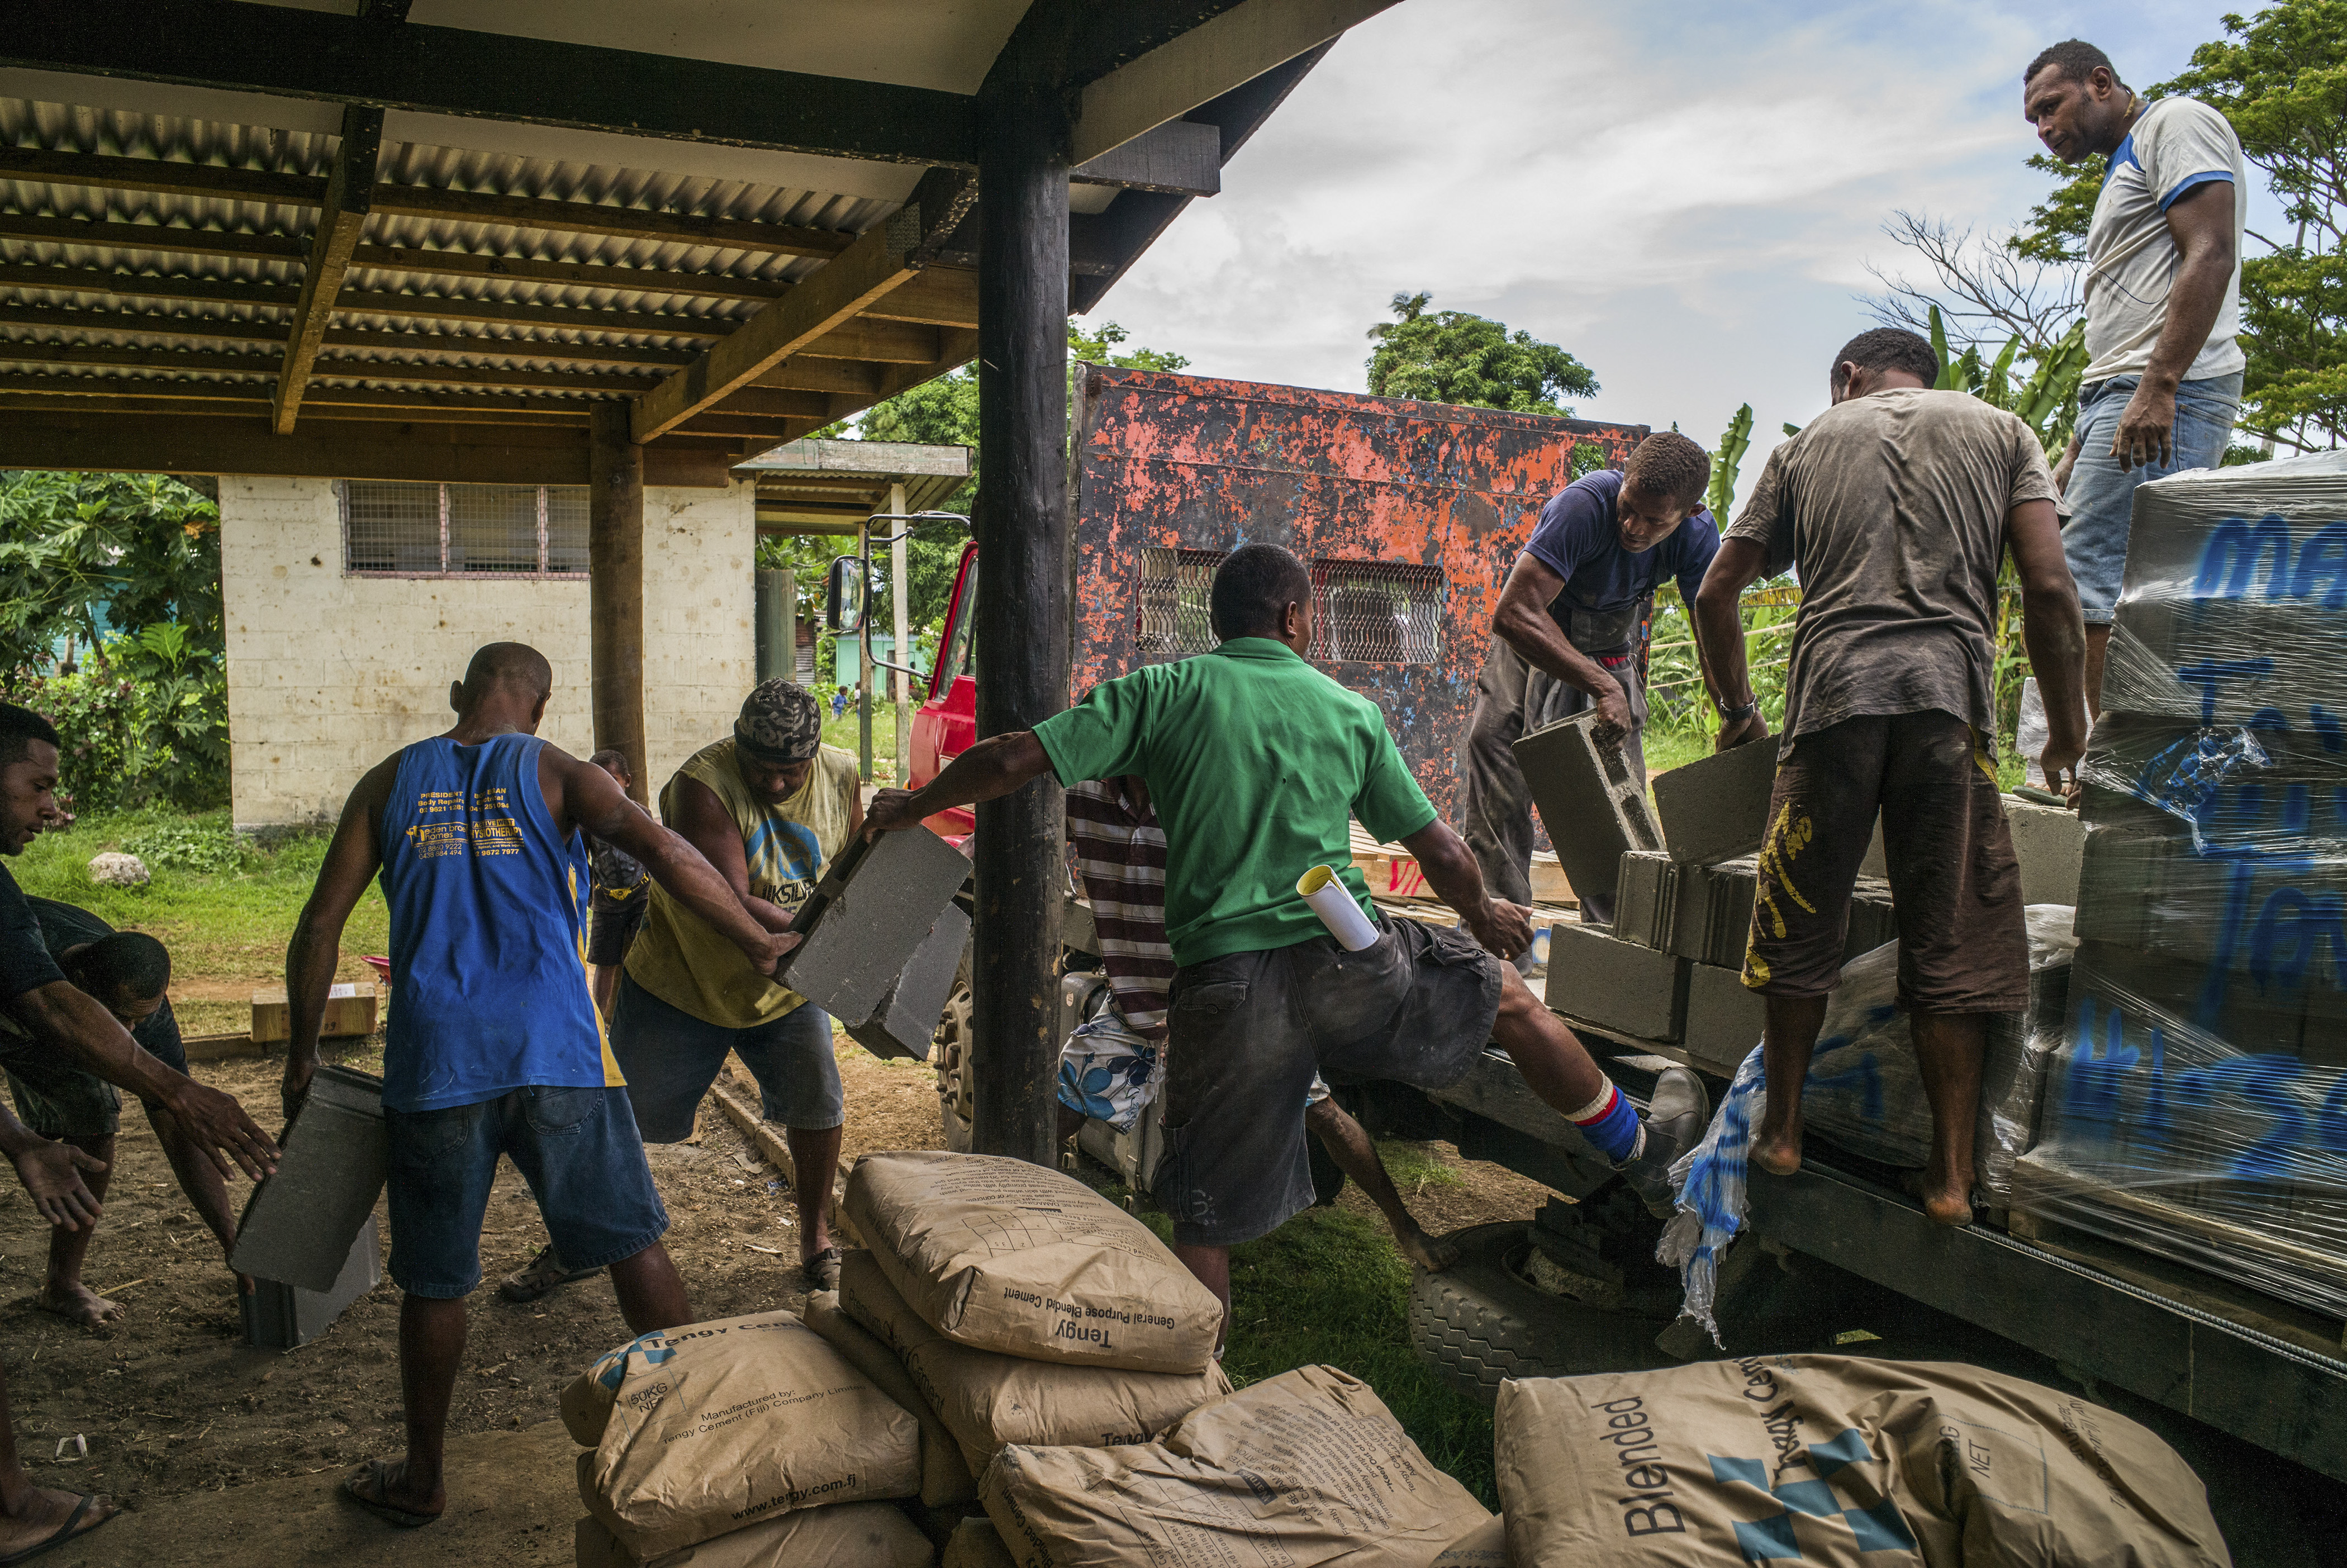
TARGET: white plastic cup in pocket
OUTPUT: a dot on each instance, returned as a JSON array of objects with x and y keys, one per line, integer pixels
[{"x": 1333, "y": 901}]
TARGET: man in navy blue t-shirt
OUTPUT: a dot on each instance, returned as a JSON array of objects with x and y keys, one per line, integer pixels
[{"x": 1570, "y": 634}]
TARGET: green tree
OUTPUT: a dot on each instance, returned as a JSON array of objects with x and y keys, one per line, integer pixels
[
  {"x": 127, "y": 565},
  {"x": 1451, "y": 356}
]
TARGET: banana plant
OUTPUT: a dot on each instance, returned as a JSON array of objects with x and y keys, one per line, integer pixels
[{"x": 1733, "y": 445}]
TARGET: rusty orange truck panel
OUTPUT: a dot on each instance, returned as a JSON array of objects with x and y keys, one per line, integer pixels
[{"x": 1409, "y": 513}]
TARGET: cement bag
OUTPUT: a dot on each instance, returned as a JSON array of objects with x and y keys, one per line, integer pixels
[
  {"x": 1485, "y": 1546},
  {"x": 986, "y": 1400},
  {"x": 850, "y": 1536},
  {"x": 946, "y": 1476},
  {"x": 1865, "y": 1090},
  {"x": 1001, "y": 1255},
  {"x": 1306, "y": 1468},
  {"x": 975, "y": 1544},
  {"x": 1837, "y": 1462},
  {"x": 717, "y": 1426}
]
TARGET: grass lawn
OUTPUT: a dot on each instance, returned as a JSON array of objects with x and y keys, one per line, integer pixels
[
  {"x": 224, "y": 908},
  {"x": 1329, "y": 1288}
]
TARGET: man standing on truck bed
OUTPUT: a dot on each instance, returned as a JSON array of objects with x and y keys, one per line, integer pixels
[
  {"x": 1897, "y": 506},
  {"x": 2163, "y": 381},
  {"x": 1569, "y": 635},
  {"x": 1254, "y": 762},
  {"x": 494, "y": 1048}
]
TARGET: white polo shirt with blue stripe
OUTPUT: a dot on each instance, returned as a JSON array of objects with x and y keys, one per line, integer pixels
[{"x": 2179, "y": 145}]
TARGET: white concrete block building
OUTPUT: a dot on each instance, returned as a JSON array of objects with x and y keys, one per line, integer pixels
[{"x": 352, "y": 604}]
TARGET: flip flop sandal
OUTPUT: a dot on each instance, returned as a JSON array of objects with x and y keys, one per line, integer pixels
[
  {"x": 389, "y": 1512},
  {"x": 821, "y": 1272},
  {"x": 544, "y": 1272},
  {"x": 68, "y": 1530}
]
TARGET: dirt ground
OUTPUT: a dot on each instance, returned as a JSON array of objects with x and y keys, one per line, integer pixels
[{"x": 172, "y": 1404}]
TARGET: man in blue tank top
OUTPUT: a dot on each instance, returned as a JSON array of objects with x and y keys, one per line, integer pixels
[{"x": 494, "y": 1045}]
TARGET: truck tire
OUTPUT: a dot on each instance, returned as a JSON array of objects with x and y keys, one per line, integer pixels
[
  {"x": 951, "y": 1052},
  {"x": 1479, "y": 1324}
]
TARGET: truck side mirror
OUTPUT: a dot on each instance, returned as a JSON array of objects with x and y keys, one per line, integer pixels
[{"x": 842, "y": 599}]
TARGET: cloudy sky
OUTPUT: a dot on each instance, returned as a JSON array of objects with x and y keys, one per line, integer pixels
[{"x": 1688, "y": 205}]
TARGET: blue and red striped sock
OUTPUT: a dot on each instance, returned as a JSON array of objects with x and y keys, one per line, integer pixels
[{"x": 1611, "y": 1124}]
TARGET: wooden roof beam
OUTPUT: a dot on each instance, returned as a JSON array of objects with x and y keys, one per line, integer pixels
[
  {"x": 349, "y": 190},
  {"x": 292, "y": 53},
  {"x": 883, "y": 259}
]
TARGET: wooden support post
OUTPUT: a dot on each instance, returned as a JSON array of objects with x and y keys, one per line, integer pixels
[
  {"x": 899, "y": 580},
  {"x": 1021, "y": 526},
  {"x": 615, "y": 588}
]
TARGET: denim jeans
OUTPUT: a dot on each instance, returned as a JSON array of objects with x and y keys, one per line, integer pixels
[{"x": 2101, "y": 496}]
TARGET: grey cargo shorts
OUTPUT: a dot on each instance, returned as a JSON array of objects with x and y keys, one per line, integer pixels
[{"x": 1247, "y": 1033}]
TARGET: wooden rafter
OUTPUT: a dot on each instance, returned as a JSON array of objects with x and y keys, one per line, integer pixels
[
  {"x": 849, "y": 285},
  {"x": 349, "y": 190},
  {"x": 315, "y": 55}
]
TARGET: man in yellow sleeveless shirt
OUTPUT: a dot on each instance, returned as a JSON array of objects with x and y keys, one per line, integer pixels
[{"x": 768, "y": 807}]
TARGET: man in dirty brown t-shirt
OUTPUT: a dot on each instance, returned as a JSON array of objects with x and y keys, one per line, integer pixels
[{"x": 1896, "y": 507}]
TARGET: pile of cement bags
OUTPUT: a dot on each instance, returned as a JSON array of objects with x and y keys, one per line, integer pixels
[
  {"x": 746, "y": 1442},
  {"x": 1839, "y": 1460}
]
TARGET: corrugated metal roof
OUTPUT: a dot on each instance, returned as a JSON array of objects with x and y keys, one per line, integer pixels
[{"x": 453, "y": 319}]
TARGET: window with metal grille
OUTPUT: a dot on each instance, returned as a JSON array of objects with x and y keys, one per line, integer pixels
[
  {"x": 1363, "y": 611},
  {"x": 395, "y": 529}
]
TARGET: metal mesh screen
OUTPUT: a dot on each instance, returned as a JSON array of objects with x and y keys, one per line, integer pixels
[
  {"x": 388, "y": 526},
  {"x": 1173, "y": 618},
  {"x": 493, "y": 528},
  {"x": 1376, "y": 612},
  {"x": 566, "y": 527}
]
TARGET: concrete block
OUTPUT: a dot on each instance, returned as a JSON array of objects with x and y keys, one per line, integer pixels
[
  {"x": 279, "y": 1316},
  {"x": 906, "y": 1021},
  {"x": 1715, "y": 912},
  {"x": 1723, "y": 1019},
  {"x": 1718, "y": 808},
  {"x": 298, "y": 1224},
  {"x": 2050, "y": 842},
  {"x": 874, "y": 909},
  {"x": 1646, "y": 898},
  {"x": 1616, "y": 985},
  {"x": 1589, "y": 800}
]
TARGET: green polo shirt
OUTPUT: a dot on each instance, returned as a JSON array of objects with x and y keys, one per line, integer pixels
[{"x": 1255, "y": 760}]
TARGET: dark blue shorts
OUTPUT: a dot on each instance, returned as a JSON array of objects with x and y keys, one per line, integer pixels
[
  {"x": 58, "y": 1098},
  {"x": 577, "y": 1148},
  {"x": 671, "y": 1058}
]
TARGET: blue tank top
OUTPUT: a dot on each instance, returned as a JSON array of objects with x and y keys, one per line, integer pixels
[{"x": 490, "y": 991}]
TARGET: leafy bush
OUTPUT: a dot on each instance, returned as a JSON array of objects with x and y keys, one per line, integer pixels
[
  {"x": 144, "y": 719},
  {"x": 189, "y": 845}
]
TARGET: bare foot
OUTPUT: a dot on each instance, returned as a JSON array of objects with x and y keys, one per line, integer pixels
[
  {"x": 1424, "y": 1250},
  {"x": 1951, "y": 1206},
  {"x": 78, "y": 1303},
  {"x": 382, "y": 1489},
  {"x": 47, "y": 1515},
  {"x": 1777, "y": 1155}
]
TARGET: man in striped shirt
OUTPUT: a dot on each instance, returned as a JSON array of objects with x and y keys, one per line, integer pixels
[{"x": 1112, "y": 1065}]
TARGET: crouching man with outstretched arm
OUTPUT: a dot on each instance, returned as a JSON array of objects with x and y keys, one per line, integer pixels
[{"x": 1254, "y": 761}]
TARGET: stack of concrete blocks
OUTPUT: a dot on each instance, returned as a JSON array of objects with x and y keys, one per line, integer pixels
[{"x": 2193, "y": 1109}]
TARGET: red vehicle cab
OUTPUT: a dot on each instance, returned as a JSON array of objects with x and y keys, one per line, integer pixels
[{"x": 948, "y": 722}]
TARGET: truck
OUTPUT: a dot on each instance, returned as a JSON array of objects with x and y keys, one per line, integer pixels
[{"x": 1409, "y": 514}]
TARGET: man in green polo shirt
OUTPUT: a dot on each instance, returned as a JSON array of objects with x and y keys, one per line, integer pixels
[{"x": 1255, "y": 760}]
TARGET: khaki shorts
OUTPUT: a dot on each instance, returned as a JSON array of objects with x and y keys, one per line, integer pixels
[{"x": 1963, "y": 946}]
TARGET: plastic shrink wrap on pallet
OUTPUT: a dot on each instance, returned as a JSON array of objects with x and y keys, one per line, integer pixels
[
  {"x": 1865, "y": 1091},
  {"x": 2198, "y": 1109}
]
